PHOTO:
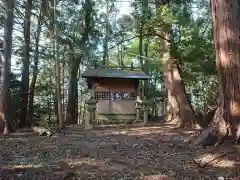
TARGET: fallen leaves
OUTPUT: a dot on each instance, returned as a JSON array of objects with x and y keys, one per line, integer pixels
[{"x": 133, "y": 153}]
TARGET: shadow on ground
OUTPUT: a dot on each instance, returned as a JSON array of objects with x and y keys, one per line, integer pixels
[{"x": 115, "y": 152}]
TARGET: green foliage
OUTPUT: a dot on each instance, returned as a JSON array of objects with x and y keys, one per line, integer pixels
[{"x": 191, "y": 45}]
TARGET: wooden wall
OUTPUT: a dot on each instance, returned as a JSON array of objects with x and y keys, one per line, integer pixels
[
  {"x": 115, "y": 107},
  {"x": 117, "y": 85}
]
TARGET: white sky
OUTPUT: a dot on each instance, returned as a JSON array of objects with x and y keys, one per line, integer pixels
[{"x": 124, "y": 7}]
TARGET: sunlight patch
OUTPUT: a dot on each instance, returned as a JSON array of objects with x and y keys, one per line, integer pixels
[
  {"x": 215, "y": 160},
  {"x": 224, "y": 163},
  {"x": 22, "y": 166},
  {"x": 81, "y": 162}
]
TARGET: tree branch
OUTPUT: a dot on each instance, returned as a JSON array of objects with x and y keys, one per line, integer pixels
[{"x": 131, "y": 38}]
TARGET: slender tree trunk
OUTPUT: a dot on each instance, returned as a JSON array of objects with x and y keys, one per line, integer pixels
[
  {"x": 79, "y": 99},
  {"x": 63, "y": 85},
  {"x": 143, "y": 45},
  {"x": 146, "y": 66},
  {"x": 140, "y": 46},
  {"x": 35, "y": 68},
  {"x": 6, "y": 65},
  {"x": 81, "y": 108},
  {"x": 105, "y": 45},
  {"x": 58, "y": 85},
  {"x": 60, "y": 117},
  {"x": 118, "y": 56},
  {"x": 25, "y": 68},
  {"x": 77, "y": 103},
  {"x": 121, "y": 55}
]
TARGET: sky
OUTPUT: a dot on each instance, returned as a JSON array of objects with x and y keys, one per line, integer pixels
[{"x": 124, "y": 7}]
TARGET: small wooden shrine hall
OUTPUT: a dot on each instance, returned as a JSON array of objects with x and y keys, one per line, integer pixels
[{"x": 115, "y": 92}]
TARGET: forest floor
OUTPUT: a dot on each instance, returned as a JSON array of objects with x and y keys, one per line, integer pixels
[{"x": 120, "y": 153}]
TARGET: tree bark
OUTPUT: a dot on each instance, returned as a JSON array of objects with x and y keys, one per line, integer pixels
[
  {"x": 226, "y": 30},
  {"x": 74, "y": 65},
  {"x": 57, "y": 73},
  {"x": 182, "y": 111},
  {"x": 72, "y": 89},
  {"x": 179, "y": 108},
  {"x": 145, "y": 46},
  {"x": 58, "y": 85},
  {"x": 106, "y": 38},
  {"x": 6, "y": 65},
  {"x": 35, "y": 68},
  {"x": 172, "y": 111},
  {"x": 24, "y": 88}
]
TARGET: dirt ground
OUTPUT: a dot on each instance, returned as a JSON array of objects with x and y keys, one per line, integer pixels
[{"x": 115, "y": 153}]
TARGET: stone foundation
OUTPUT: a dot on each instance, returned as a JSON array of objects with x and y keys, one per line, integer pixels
[{"x": 115, "y": 118}]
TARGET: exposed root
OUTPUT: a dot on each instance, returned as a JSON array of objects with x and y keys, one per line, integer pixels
[
  {"x": 217, "y": 132},
  {"x": 206, "y": 137}
]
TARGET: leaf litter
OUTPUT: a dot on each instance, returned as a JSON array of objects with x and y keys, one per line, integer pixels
[{"x": 129, "y": 152}]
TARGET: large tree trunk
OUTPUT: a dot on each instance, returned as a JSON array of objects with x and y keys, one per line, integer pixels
[
  {"x": 226, "y": 29},
  {"x": 35, "y": 69},
  {"x": 6, "y": 65},
  {"x": 72, "y": 89},
  {"x": 25, "y": 68},
  {"x": 172, "y": 111},
  {"x": 74, "y": 65},
  {"x": 179, "y": 107}
]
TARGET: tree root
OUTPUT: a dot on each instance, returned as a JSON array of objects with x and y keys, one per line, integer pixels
[
  {"x": 211, "y": 136},
  {"x": 214, "y": 134},
  {"x": 206, "y": 137}
]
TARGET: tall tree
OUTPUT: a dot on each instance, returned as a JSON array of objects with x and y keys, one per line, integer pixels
[
  {"x": 25, "y": 66},
  {"x": 106, "y": 38},
  {"x": 226, "y": 30},
  {"x": 177, "y": 96},
  {"x": 75, "y": 62},
  {"x": 35, "y": 65},
  {"x": 6, "y": 64},
  {"x": 57, "y": 73}
]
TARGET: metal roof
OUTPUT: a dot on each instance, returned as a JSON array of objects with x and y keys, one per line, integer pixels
[{"x": 115, "y": 73}]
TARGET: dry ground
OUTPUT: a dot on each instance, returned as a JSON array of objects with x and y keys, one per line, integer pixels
[{"x": 119, "y": 153}]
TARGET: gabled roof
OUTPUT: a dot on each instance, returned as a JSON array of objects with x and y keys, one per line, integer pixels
[{"x": 115, "y": 73}]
